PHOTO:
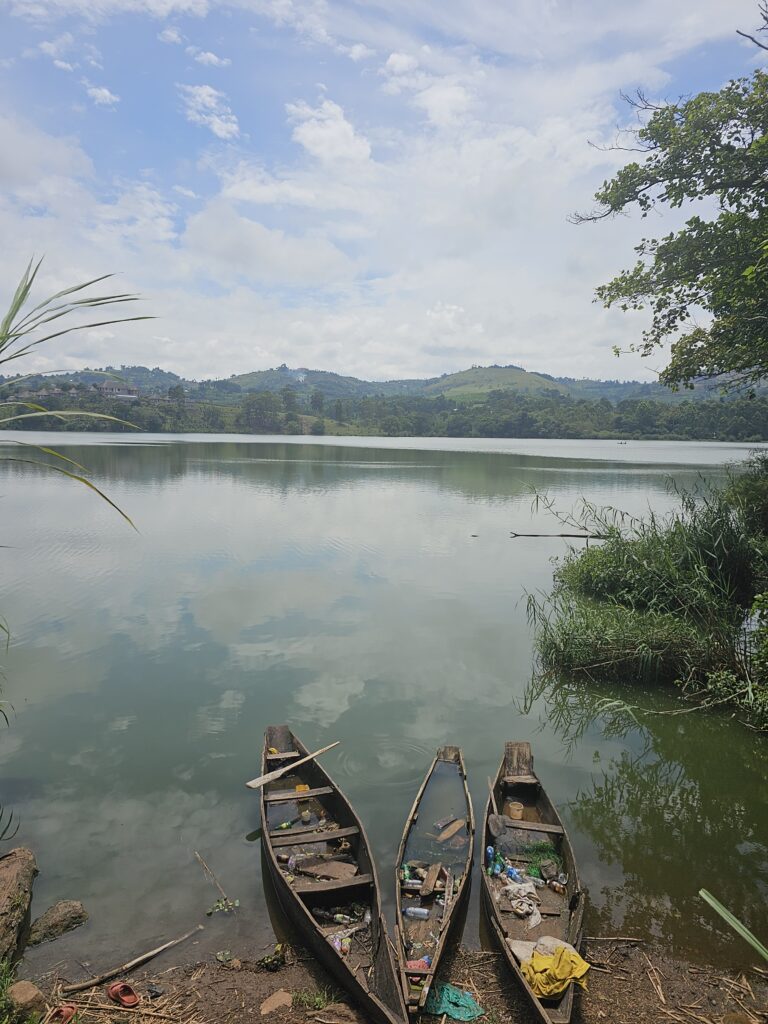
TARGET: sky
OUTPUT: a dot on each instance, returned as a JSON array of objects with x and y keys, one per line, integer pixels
[{"x": 376, "y": 188}]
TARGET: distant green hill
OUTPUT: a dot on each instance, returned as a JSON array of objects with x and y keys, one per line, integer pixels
[
  {"x": 481, "y": 380},
  {"x": 465, "y": 386}
]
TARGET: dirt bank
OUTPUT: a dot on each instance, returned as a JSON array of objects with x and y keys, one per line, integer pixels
[{"x": 629, "y": 984}]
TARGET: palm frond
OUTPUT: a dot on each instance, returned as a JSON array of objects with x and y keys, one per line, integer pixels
[
  {"x": 80, "y": 479},
  {"x": 19, "y": 331}
]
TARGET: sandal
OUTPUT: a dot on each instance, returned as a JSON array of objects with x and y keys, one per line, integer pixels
[
  {"x": 63, "y": 1013},
  {"x": 123, "y": 993}
]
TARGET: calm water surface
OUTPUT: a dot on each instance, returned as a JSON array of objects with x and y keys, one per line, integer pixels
[{"x": 365, "y": 590}]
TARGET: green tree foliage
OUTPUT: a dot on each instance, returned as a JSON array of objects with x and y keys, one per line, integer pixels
[
  {"x": 260, "y": 413},
  {"x": 711, "y": 149},
  {"x": 317, "y": 402}
]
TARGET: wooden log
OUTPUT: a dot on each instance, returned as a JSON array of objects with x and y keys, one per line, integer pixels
[
  {"x": 428, "y": 885},
  {"x": 450, "y": 831},
  {"x": 129, "y": 966}
]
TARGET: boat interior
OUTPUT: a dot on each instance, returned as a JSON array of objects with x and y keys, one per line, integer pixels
[
  {"x": 435, "y": 860},
  {"x": 525, "y": 829},
  {"x": 320, "y": 851}
]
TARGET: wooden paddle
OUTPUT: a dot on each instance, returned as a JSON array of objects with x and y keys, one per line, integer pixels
[{"x": 278, "y": 772}]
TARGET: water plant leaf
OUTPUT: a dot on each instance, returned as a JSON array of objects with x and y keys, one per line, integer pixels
[{"x": 733, "y": 921}]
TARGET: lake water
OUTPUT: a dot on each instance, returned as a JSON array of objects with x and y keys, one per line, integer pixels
[{"x": 362, "y": 590}]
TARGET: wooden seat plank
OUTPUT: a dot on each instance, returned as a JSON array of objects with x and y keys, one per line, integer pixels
[
  {"x": 281, "y": 795},
  {"x": 345, "y": 883},
  {"x": 516, "y": 780},
  {"x": 294, "y": 837},
  {"x": 283, "y": 755},
  {"x": 539, "y": 826}
]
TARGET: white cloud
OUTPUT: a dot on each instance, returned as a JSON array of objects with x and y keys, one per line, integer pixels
[
  {"x": 229, "y": 245},
  {"x": 357, "y": 52},
  {"x": 400, "y": 63},
  {"x": 209, "y": 108},
  {"x": 325, "y": 132},
  {"x": 63, "y": 65},
  {"x": 170, "y": 35},
  {"x": 56, "y": 47},
  {"x": 211, "y": 60},
  {"x": 101, "y": 95}
]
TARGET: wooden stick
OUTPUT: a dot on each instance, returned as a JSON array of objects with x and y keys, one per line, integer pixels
[
  {"x": 271, "y": 776},
  {"x": 579, "y": 536},
  {"x": 211, "y": 876},
  {"x": 612, "y": 938},
  {"x": 124, "y": 968},
  {"x": 494, "y": 808}
]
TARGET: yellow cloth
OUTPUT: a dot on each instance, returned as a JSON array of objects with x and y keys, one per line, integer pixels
[{"x": 550, "y": 976}]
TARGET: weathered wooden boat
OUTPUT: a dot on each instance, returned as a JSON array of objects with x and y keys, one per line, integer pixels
[
  {"x": 319, "y": 859},
  {"x": 523, "y": 824},
  {"x": 434, "y": 866}
]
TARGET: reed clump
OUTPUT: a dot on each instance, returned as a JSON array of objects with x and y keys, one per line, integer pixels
[{"x": 677, "y": 599}]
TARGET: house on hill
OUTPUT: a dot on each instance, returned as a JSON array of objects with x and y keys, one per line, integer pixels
[{"x": 117, "y": 389}]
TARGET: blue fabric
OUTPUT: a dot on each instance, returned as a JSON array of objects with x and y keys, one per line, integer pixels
[{"x": 452, "y": 1001}]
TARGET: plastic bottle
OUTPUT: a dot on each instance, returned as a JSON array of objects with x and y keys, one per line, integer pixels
[
  {"x": 343, "y": 919},
  {"x": 490, "y": 853},
  {"x": 420, "y": 912},
  {"x": 514, "y": 874},
  {"x": 346, "y": 945}
]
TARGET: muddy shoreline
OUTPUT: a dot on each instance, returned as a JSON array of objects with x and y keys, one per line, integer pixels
[{"x": 630, "y": 983}]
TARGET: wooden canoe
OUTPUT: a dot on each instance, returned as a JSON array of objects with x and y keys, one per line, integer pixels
[
  {"x": 436, "y": 850},
  {"x": 562, "y": 915},
  {"x": 331, "y": 872}
]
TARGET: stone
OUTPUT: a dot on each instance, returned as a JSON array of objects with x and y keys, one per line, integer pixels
[
  {"x": 276, "y": 1001},
  {"x": 27, "y": 998},
  {"x": 61, "y": 917},
  {"x": 17, "y": 873}
]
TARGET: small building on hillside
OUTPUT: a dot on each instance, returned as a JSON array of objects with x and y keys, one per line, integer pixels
[{"x": 117, "y": 389}]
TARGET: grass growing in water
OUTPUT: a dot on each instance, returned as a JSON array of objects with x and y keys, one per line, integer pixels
[{"x": 666, "y": 599}]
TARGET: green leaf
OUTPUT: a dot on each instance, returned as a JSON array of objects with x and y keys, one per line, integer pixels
[{"x": 734, "y": 922}]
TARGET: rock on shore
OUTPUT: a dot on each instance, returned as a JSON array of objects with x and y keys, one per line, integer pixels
[{"x": 61, "y": 917}]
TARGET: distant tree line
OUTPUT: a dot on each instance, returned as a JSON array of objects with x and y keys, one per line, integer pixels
[{"x": 499, "y": 414}]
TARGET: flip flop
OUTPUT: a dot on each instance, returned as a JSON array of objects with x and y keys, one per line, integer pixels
[
  {"x": 123, "y": 993},
  {"x": 63, "y": 1013}
]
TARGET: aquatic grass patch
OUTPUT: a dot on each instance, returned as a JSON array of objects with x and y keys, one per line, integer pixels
[
  {"x": 612, "y": 642},
  {"x": 664, "y": 600},
  {"x": 700, "y": 562}
]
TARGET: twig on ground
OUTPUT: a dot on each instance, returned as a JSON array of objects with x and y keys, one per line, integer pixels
[
  {"x": 654, "y": 977},
  {"x": 129, "y": 966}
]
